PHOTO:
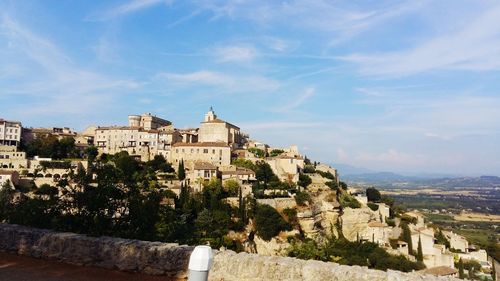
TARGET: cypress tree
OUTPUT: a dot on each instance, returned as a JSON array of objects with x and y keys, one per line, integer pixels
[
  {"x": 461, "y": 274},
  {"x": 420, "y": 253},
  {"x": 407, "y": 237},
  {"x": 181, "y": 172}
]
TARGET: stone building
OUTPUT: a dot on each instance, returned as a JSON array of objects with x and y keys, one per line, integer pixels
[
  {"x": 12, "y": 177},
  {"x": 145, "y": 137},
  {"x": 11, "y": 158},
  {"x": 29, "y": 134},
  {"x": 10, "y": 132},
  {"x": 147, "y": 121},
  {"x": 215, "y": 153},
  {"x": 286, "y": 168},
  {"x": 213, "y": 129},
  {"x": 241, "y": 175},
  {"x": 457, "y": 242}
]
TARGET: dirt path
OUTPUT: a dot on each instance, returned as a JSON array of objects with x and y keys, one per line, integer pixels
[{"x": 19, "y": 268}]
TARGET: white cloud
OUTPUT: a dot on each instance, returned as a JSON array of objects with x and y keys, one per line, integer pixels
[
  {"x": 297, "y": 101},
  {"x": 222, "y": 81},
  {"x": 474, "y": 46},
  {"x": 49, "y": 73},
  {"x": 235, "y": 54},
  {"x": 280, "y": 125},
  {"x": 127, "y": 8}
]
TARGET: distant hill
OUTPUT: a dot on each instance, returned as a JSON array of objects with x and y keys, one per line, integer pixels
[
  {"x": 345, "y": 169},
  {"x": 482, "y": 181}
]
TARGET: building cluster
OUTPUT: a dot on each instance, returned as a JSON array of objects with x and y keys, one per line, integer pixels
[
  {"x": 206, "y": 151},
  {"x": 439, "y": 259}
]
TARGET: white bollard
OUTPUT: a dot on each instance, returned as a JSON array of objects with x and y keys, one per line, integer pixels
[{"x": 200, "y": 262}]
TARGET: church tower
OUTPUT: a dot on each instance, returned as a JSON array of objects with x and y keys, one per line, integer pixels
[{"x": 210, "y": 115}]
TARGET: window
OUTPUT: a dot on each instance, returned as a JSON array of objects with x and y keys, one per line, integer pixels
[{"x": 205, "y": 150}]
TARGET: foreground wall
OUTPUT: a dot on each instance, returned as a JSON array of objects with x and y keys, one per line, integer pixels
[
  {"x": 171, "y": 259},
  {"x": 113, "y": 253}
]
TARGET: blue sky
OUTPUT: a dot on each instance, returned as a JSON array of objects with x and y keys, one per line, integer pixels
[{"x": 406, "y": 86}]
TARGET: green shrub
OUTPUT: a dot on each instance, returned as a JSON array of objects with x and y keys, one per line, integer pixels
[
  {"x": 304, "y": 180},
  {"x": 301, "y": 198},
  {"x": 276, "y": 152},
  {"x": 347, "y": 201},
  {"x": 257, "y": 152},
  {"x": 372, "y": 206},
  {"x": 269, "y": 222}
]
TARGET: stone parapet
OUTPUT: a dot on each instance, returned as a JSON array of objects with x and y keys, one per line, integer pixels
[
  {"x": 113, "y": 253},
  {"x": 172, "y": 259}
]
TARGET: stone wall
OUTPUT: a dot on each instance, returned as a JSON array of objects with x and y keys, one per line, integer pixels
[
  {"x": 112, "y": 253},
  {"x": 171, "y": 259},
  {"x": 229, "y": 266}
]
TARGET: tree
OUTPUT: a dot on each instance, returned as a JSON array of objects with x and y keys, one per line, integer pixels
[
  {"x": 407, "y": 236},
  {"x": 420, "y": 254},
  {"x": 276, "y": 152},
  {"x": 304, "y": 180},
  {"x": 244, "y": 163},
  {"x": 301, "y": 198},
  {"x": 307, "y": 161},
  {"x": 373, "y": 194},
  {"x": 91, "y": 152},
  {"x": 269, "y": 222},
  {"x": 257, "y": 152},
  {"x": 181, "y": 172},
  {"x": 461, "y": 273},
  {"x": 264, "y": 173}
]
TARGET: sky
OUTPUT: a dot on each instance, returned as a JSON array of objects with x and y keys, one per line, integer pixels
[{"x": 404, "y": 86}]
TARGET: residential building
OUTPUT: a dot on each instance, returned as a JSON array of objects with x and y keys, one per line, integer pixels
[
  {"x": 215, "y": 153},
  {"x": 29, "y": 134},
  {"x": 10, "y": 177},
  {"x": 242, "y": 175},
  {"x": 286, "y": 168},
  {"x": 200, "y": 173},
  {"x": 11, "y": 158},
  {"x": 145, "y": 137},
  {"x": 457, "y": 242},
  {"x": 10, "y": 133}
]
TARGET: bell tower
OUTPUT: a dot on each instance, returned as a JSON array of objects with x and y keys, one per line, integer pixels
[{"x": 210, "y": 115}]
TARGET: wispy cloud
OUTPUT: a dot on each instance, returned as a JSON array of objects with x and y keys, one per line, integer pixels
[
  {"x": 127, "y": 8},
  {"x": 235, "y": 53},
  {"x": 474, "y": 46},
  {"x": 222, "y": 81},
  {"x": 297, "y": 101},
  {"x": 51, "y": 74},
  {"x": 280, "y": 125}
]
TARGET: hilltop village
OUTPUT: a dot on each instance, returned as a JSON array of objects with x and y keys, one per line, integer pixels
[{"x": 214, "y": 184}]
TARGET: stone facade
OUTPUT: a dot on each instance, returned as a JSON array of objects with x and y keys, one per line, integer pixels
[
  {"x": 213, "y": 129},
  {"x": 12, "y": 177},
  {"x": 10, "y": 132},
  {"x": 215, "y": 153}
]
